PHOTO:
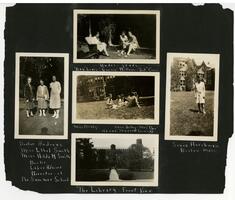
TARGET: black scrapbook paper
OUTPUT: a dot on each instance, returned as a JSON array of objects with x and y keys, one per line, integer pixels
[{"x": 184, "y": 166}]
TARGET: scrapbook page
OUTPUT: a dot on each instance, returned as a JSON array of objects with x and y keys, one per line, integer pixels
[{"x": 118, "y": 98}]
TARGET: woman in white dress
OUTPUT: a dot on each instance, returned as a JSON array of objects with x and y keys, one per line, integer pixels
[
  {"x": 42, "y": 97},
  {"x": 101, "y": 46},
  {"x": 200, "y": 94},
  {"x": 55, "y": 102}
]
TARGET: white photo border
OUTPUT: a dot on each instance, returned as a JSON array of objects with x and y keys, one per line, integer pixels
[
  {"x": 66, "y": 78},
  {"x": 153, "y": 183},
  {"x": 154, "y": 121},
  {"x": 76, "y": 12},
  {"x": 213, "y": 138}
]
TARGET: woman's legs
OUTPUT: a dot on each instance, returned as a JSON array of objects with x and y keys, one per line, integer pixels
[
  {"x": 54, "y": 115},
  {"x": 105, "y": 50},
  {"x": 27, "y": 113},
  {"x": 130, "y": 48},
  {"x": 31, "y": 113},
  {"x": 199, "y": 107},
  {"x": 44, "y": 112},
  {"x": 40, "y": 112},
  {"x": 57, "y": 114},
  {"x": 203, "y": 108}
]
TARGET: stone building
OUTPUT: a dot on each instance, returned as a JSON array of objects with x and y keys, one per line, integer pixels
[
  {"x": 185, "y": 71},
  {"x": 137, "y": 156},
  {"x": 92, "y": 87}
]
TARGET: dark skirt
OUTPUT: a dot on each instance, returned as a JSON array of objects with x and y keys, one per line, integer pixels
[
  {"x": 42, "y": 103},
  {"x": 29, "y": 105}
]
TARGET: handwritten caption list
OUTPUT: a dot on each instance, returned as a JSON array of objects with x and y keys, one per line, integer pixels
[
  {"x": 195, "y": 147},
  {"x": 45, "y": 161}
]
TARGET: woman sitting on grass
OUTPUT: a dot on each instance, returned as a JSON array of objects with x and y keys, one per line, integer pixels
[
  {"x": 133, "y": 100},
  {"x": 130, "y": 101},
  {"x": 109, "y": 101}
]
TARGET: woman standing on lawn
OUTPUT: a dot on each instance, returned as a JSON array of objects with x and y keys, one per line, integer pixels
[
  {"x": 55, "y": 103},
  {"x": 29, "y": 97},
  {"x": 200, "y": 94},
  {"x": 42, "y": 97}
]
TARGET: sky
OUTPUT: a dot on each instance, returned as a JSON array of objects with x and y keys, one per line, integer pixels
[
  {"x": 210, "y": 59},
  {"x": 123, "y": 142}
]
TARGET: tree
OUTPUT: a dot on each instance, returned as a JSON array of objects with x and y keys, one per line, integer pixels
[
  {"x": 175, "y": 77},
  {"x": 140, "y": 157},
  {"x": 107, "y": 29},
  {"x": 86, "y": 156}
]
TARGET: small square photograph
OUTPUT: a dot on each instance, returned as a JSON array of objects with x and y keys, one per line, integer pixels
[
  {"x": 111, "y": 36},
  {"x": 192, "y": 96},
  {"x": 116, "y": 97},
  {"x": 41, "y": 96},
  {"x": 114, "y": 160}
]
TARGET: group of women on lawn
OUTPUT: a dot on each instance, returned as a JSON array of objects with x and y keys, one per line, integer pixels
[
  {"x": 42, "y": 97},
  {"x": 129, "y": 101}
]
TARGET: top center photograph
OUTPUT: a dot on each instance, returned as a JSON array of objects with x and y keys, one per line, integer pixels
[{"x": 116, "y": 36}]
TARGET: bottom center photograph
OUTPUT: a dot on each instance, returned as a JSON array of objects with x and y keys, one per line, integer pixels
[{"x": 114, "y": 159}]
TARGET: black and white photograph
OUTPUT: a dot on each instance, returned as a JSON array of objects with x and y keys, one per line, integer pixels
[
  {"x": 111, "y": 36},
  {"x": 192, "y": 96},
  {"x": 115, "y": 97},
  {"x": 41, "y": 96},
  {"x": 114, "y": 159}
]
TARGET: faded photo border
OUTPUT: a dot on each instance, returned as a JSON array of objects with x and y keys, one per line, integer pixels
[
  {"x": 66, "y": 78},
  {"x": 76, "y": 12},
  {"x": 156, "y": 86},
  {"x": 168, "y": 136},
  {"x": 137, "y": 183}
]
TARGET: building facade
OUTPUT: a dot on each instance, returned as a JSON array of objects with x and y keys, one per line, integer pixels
[{"x": 185, "y": 72}]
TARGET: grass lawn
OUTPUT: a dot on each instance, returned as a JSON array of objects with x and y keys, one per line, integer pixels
[
  {"x": 138, "y": 54},
  {"x": 113, "y": 54},
  {"x": 184, "y": 119},
  {"x": 40, "y": 125},
  {"x": 103, "y": 175},
  {"x": 98, "y": 110}
]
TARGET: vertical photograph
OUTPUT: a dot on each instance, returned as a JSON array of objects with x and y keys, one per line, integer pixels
[
  {"x": 111, "y": 36},
  {"x": 114, "y": 160},
  {"x": 115, "y": 97},
  {"x": 192, "y": 96},
  {"x": 41, "y": 96}
]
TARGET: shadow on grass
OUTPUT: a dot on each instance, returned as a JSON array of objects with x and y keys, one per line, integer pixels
[
  {"x": 196, "y": 133},
  {"x": 44, "y": 131},
  {"x": 193, "y": 110}
]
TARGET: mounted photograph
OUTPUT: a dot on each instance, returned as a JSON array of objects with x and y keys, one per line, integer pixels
[
  {"x": 114, "y": 36},
  {"x": 41, "y": 96},
  {"x": 114, "y": 159},
  {"x": 115, "y": 97},
  {"x": 192, "y": 93}
]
